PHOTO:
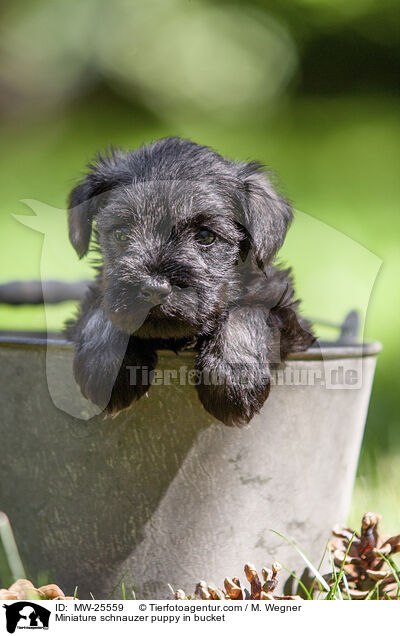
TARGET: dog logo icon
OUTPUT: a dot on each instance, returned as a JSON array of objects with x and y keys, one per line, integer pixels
[{"x": 26, "y": 615}]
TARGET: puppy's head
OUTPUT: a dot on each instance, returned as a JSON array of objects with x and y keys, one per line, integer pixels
[{"x": 172, "y": 221}]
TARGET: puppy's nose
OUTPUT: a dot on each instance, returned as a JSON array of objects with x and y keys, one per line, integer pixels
[{"x": 155, "y": 291}]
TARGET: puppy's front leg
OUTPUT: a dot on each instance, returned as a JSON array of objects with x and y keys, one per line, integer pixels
[
  {"x": 112, "y": 368},
  {"x": 233, "y": 366}
]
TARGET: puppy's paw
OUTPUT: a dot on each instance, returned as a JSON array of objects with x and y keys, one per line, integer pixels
[
  {"x": 133, "y": 381},
  {"x": 111, "y": 384},
  {"x": 234, "y": 400}
]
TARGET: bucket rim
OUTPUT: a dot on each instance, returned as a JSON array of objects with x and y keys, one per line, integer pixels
[{"x": 321, "y": 350}]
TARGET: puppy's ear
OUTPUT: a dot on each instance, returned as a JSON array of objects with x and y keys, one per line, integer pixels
[
  {"x": 104, "y": 173},
  {"x": 266, "y": 215}
]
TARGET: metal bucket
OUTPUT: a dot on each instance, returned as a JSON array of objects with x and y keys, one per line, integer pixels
[{"x": 164, "y": 493}]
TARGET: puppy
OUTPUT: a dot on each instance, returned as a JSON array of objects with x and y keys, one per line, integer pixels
[{"x": 184, "y": 241}]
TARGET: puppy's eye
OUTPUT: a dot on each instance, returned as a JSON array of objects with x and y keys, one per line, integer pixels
[
  {"x": 121, "y": 235},
  {"x": 205, "y": 237}
]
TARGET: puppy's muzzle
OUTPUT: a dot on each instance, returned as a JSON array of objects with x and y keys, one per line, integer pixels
[{"x": 155, "y": 291}]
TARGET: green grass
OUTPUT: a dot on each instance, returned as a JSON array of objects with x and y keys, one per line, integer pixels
[
  {"x": 377, "y": 489},
  {"x": 11, "y": 566}
]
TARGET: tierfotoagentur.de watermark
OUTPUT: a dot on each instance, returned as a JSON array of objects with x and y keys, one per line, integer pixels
[{"x": 332, "y": 376}]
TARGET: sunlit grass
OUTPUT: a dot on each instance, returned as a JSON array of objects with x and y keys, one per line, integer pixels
[{"x": 377, "y": 488}]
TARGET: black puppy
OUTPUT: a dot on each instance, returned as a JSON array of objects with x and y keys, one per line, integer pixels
[{"x": 185, "y": 241}]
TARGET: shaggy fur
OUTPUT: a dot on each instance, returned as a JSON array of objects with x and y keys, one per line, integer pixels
[{"x": 185, "y": 241}]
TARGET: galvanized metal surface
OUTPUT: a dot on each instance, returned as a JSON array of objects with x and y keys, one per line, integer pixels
[{"x": 165, "y": 494}]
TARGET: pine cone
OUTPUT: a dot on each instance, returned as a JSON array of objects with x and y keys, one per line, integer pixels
[
  {"x": 234, "y": 590},
  {"x": 23, "y": 590},
  {"x": 363, "y": 565}
]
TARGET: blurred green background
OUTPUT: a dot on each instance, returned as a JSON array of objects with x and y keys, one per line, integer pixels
[{"x": 309, "y": 87}]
